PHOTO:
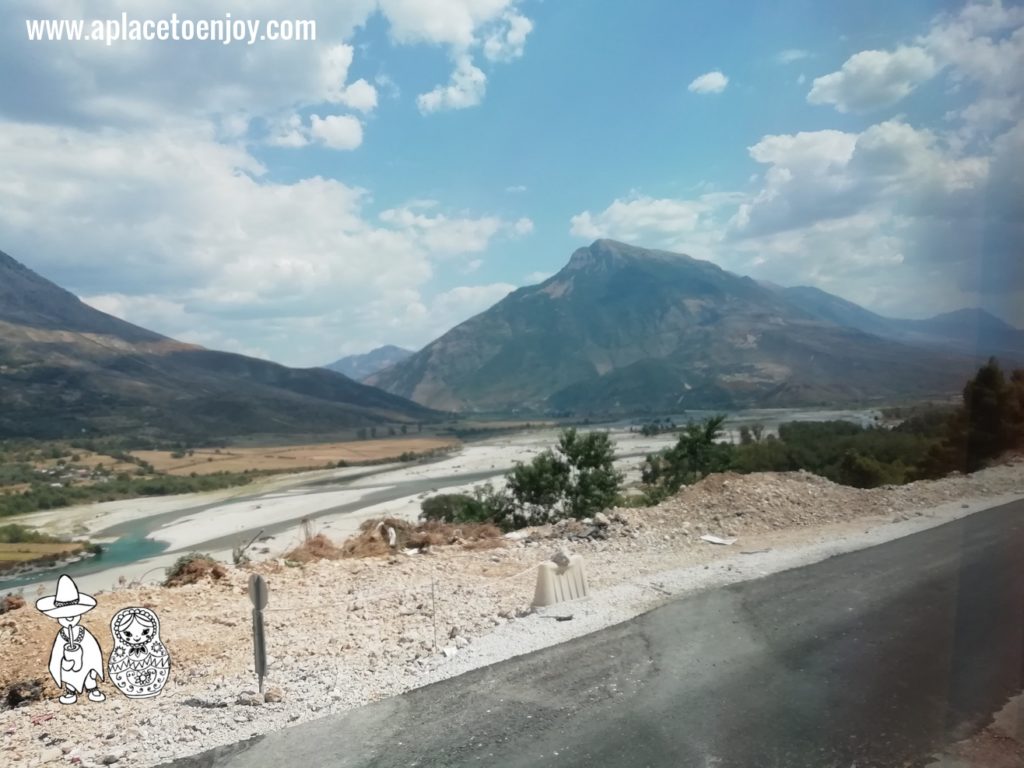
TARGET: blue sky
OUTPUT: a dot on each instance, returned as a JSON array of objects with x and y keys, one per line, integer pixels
[{"x": 300, "y": 201}]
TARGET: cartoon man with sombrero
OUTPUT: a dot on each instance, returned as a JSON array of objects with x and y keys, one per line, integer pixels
[{"x": 76, "y": 662}]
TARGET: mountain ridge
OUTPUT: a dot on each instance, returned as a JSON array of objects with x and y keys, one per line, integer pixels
[
  {"x": 67, "y": 368},
  {"x": 360, "y": 366},
  {"x": 623, "y": 329}
]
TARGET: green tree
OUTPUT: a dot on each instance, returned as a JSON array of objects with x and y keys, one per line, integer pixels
[
  {"x": 593, "y": 481},
  {"x": 696, "y": 454},
  {"x": 576, "y": 479}
]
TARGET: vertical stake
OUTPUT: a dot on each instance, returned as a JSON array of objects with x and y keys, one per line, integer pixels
[{"x": 433, "y": 610}]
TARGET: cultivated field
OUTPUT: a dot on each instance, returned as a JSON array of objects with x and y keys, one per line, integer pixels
[
  {"x": 290, "y": 457},
  {"x": 20, "y": 553}
]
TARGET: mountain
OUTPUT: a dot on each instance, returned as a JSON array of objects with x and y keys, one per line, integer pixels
[
  {"x": 625, "y": 329},
  {"x": 358, "y": 367},
  {"x": 68, "y": 369},
  {"x": 969, "y": 331}
]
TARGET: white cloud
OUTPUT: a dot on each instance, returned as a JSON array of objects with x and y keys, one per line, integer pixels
[
  {"x": 790, "y": 55},
  {"x": 508, "y": 40},
  {"x": 234, "y": 86},
  {"x": 444, "y": 22},
  {"x": 690, "y": 226},
  {"x": 982, "y": 44},
  {"x": 194, "y": 240},
  {"x": 515, "y": 188},
  {"x": 337, "y": 131},
  {"x": 709, "y": 82},
  {"x": 466, "y": 89},
  {"x": 360, "y": 96},
  {"x": 523, "y": 226},
  {"x": 872, "y": 79},
  {"x": 288, "y": 131}
]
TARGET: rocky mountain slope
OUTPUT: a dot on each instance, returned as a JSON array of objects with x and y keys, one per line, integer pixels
[
  {"x": 625, "y": 329},
  {"x": 970, "y": 331},
  {"x": 68, "y": 369},
  {"x": 358, "y": 367}
]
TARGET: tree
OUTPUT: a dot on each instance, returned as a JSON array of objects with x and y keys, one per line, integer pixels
[
  {"x": 576, "y": 479},
  {"x": 593, "y": 481},
  {"x": 989, "y": 422},
  {"x": 695, "y": 455}
]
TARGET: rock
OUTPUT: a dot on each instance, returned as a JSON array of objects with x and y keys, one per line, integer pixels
[
  {"x": 204, "y": 703},
  {"x": 51, "y": 754},
  {"x": 249, "y": 699},
  {"x": 11, "y": 603},
  {"x": 449, "y": 651},
  {"x": 561, "y": 558},
  {"x": 273, "y": 696},
  {"x": 602, "y": 520},
  {"x": 461, "y": 642},
  {"x": 109, "y": 759}
]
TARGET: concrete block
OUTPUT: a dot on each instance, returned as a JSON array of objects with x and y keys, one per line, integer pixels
[{"x": 557, "y": 584}]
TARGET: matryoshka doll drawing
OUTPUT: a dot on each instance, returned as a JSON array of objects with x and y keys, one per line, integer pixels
[{"x": 139, "y": 663}]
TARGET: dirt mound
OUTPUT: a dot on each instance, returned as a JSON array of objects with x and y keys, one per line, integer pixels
[
  {"x": 317, "y": 547},
  {"x": 11, "y": 603},
  {"x": 374, "y": 537},
  {"x": 192, "y": 568}
]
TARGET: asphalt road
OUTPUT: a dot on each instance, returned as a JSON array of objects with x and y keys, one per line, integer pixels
[{"x": 872, "y": 659}]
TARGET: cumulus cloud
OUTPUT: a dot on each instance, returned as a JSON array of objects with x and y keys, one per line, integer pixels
[
  {"x": 196, "y": 222},
  {"x": 466, "y": 89},
  {"x": 144, "y": 84},
  {"x": 691, "y": 226},
  {"x": 508, "y": 41},
  {"x": 872, "y": 79},
  {"x": 709, "y": 82},
  {"x": 337, "y": 131},
  {"x": 982, "y": 44},
  {"x": 838, "y": 209}
]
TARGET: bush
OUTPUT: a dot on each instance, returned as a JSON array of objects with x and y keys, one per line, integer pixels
[
  {"x": 191, "y": 568},
  {"x": 577, "y": 479},
  {"x": 695, "y": 455},
  {"x": 455, "y": 508}
]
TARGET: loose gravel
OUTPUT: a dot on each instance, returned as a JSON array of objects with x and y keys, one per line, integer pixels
[{"x": 344, "y": 633}]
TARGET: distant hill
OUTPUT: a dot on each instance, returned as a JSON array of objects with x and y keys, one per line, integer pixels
[
  {"x": 626, "y": 329},
  {"x": 969, "y": 331},
  {"x": 358, "y": 367},
  {"x": 68, "y": 369}
]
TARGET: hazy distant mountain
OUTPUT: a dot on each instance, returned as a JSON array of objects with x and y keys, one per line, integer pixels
[
  {"x": 970, "y": 331},
  {"x": 68, "y": 369},
  {"x": 624, "y": 329},
  {"x": 358, "y": 367}
]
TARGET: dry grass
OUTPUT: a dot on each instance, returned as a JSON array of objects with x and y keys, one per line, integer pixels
[
  {"x": 372, "y": 539},
  {"x": 290, "y": 457},
  {"x": 317, "y": 547}
]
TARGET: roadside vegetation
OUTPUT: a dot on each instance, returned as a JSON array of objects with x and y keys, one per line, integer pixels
[{"x": 577, "y": 478}]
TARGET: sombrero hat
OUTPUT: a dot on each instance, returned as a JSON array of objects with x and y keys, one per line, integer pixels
[{"x": 67, "y": 602}]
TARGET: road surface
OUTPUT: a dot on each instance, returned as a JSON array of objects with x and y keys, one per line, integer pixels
[{"x": 875, "y": 658}]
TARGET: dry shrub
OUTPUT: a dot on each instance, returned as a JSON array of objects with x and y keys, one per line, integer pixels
[
  {"x": 192, "y": 568},
  {"x": 316, "y": 547},
  {"x": 11, "y": 603},
  {"x": 372, "y": 539}
]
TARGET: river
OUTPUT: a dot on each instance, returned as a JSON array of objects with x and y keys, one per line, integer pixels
[{"x": 142, "y": 537}]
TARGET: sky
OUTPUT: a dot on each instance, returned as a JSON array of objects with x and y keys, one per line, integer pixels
[{"x": 300, "y": 201}]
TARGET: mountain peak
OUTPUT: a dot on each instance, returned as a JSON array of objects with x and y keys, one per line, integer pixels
[{"x": 607, "y": 254}]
